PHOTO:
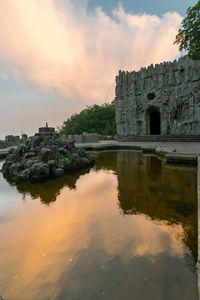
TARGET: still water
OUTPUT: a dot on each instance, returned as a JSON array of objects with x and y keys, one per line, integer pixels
[{"x": 126, "y": 229}]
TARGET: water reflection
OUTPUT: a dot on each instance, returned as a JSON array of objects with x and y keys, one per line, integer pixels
[
  {"x": 48, "y": 191},
  {"x": 154, "y": 168},
  {"x": 160, "y": 191},
  {"x": 120, "y": 234},
  {"x": 172, "y": 197}
]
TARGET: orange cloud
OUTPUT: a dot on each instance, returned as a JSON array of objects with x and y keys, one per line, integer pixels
[{"x": 62, "y": 46}]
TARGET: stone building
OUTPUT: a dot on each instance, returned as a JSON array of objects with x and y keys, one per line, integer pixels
[{"x": 161, "y": 100}]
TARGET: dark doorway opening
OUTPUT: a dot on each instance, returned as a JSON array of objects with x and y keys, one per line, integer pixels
[{"x": 155, "y": 123}]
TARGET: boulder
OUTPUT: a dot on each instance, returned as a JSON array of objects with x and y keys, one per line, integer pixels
[
  {"x": 47, "y": 140},
  {"x": 25, "y": 174},
  {"x": 58, "y": 142},
  {"x": 59, "y": 172},
  {"x": 29, "y": 154},
  {"x": 21, "y": 150},
  {"x": 35, "y": 141},
  {"x": 81, "y": 152},
  {"x": 46, "y": 154},
  {"x": 69, "y": 145},
  {"x": 63, "y": 163},
  {"x": 64, "y": 152},
  {"x": 6, "y": 166},
  {"x": 29, "y": 162},
  {"x": 14, "y": 170},
  {"x": 52, "y": 166},
  {"x": 39, "y": 171}
]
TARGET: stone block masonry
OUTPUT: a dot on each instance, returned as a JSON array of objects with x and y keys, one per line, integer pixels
[{"x": 161, "y": 100}]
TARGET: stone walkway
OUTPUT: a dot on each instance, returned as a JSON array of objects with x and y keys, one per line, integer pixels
[{"x": 181, "y": 147}]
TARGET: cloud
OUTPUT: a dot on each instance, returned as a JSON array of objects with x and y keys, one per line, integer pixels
[{"x": 63, "y": 46}]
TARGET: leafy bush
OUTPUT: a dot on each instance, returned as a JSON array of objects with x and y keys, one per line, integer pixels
[{"x": 93, "y": 119}]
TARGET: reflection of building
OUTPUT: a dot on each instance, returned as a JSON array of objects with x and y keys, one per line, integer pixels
[
  {"x": 163, "y": 100},
  {"x": 162, "y": 192},
  {"x": 154, "y": 168},
  {"x": 147, "y": 186}
]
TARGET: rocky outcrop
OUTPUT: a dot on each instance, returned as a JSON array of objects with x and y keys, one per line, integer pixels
[{"x": 43, "y": 157}]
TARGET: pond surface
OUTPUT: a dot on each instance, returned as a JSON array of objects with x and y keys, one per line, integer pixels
[{"x": 126, "y": 229}]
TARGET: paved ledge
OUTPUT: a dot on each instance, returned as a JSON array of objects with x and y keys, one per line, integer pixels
[
  {"x": 181, "y": 147},
  {"x": 173, "y": 152},
  {"x": 181, "y": 158}
]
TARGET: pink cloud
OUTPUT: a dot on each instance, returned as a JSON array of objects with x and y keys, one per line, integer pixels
[{"x": 57, "y": 45}]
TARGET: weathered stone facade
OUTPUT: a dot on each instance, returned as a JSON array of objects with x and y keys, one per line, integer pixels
[{"x": 159, "y": 100}]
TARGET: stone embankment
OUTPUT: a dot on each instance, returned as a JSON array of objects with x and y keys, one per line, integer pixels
[
  {"x": 172, "y": 153},
  {"x": 89, "y": 137},
  {"x": 43, "y": 157},
  {"x": 11, "y": 140}
]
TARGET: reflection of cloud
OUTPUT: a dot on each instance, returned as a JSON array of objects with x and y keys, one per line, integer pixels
[
  {"x": 63, "y": 46},
  {"x": 144, "y": 238},
  {"x": 47, "y": 241}
]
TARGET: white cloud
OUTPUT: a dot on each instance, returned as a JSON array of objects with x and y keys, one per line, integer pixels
[{"x": 62, "y": 46}]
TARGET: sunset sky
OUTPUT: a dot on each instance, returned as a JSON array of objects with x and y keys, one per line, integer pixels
[{"x": 57, "y": 56}]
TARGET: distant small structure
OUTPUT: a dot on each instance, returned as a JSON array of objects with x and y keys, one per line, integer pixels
[{"x": 46, "y": 129}]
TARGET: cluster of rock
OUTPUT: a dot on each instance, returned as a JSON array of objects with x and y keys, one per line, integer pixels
[
  {"x": 89, "y": 137},
  {"x": 11, "y": 140},
  {"x": 44, "y": 156}
]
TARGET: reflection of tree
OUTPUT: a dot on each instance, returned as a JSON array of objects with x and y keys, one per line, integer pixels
[
  {"x": 147, "y": 186},
  {"x": 106, "y": 160},
  {"x": 49, "y": 190}
]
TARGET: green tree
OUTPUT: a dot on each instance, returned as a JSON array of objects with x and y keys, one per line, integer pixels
[
  {"x": 93, "y": 119},
  {"x": 188, "y": 37}
]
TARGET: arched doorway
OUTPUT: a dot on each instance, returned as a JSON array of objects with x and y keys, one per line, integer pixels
[{"x": 154, "y": 123}]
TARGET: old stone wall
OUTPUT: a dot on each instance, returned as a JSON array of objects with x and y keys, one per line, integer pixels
[
  {"x": 165, "y": 95},
  {"x": 88, "y": 137},
  {"x": 10, "y": 140}
]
